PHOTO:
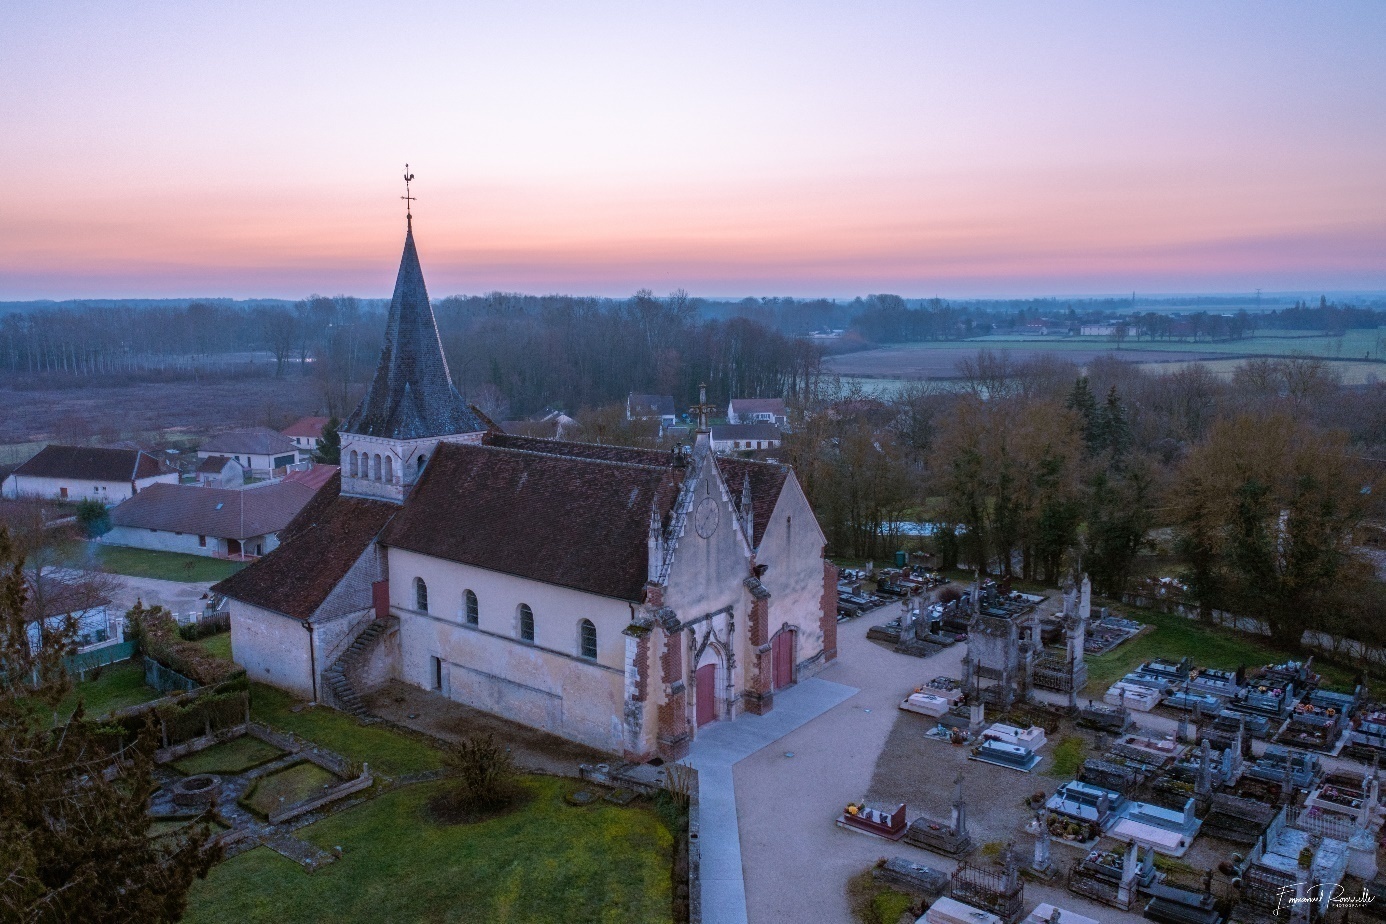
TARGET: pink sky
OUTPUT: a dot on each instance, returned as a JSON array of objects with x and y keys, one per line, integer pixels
[{"x": 727, "y": 148}]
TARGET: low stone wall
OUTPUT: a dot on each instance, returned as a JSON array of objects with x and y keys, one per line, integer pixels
[
  {"x": 192, "y": 745},
  {"x": 332, "y": 795},
  {"x": 695, "y": 882}
]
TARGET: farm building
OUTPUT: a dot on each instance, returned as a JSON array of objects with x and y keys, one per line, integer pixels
[
  {"x": 88, "y": 473},
  {"x": 97, "y": 624},
  {"x": 651, "y": 407},
  {"x": 259, "y": 450},
  {"x": 216, "y": 522}
]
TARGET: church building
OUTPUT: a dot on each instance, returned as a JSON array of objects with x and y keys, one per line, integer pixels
[{"x": 621, "y": 598}]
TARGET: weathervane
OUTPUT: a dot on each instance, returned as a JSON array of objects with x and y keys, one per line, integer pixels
[{"x": 408, "y": 199}]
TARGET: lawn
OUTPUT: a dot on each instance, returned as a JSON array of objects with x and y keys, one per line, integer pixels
[
  {"x": 387, "y": 751},
  {"x": 234, "y": 756},
  {"x": 166, "y": 566},
  {"x": 219, "y": 645},
  {"x": 547, "y": 862},
  {"x": 1067, "y": 757},
  {"x": 1174, "y": 637},
  {"x": 119, "y": 685},
  {"x": 286, "y": 787}
]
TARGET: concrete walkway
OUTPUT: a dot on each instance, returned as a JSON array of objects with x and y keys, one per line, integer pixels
[{"x": 719, "y": 747}]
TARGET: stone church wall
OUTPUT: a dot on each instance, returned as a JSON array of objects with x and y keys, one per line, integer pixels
[
  {"x": 545, "y": 684},
  {"x": 792, "y": 551}
]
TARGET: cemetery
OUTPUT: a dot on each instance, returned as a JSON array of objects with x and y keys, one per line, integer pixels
[{"x": 1202, "y": 794}]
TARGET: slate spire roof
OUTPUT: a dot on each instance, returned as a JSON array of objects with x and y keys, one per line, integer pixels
[{"x": 412, "y": 395}]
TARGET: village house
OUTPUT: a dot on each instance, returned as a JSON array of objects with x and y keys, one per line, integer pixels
[
  {"x": 758, "y": 410},
  {"x": 622, "y": 598},
  {"x": 88, "y": 473},
  {"x": 216, "y": 522},
  {"x": 651, "y": 407},
  {"x": 96, "y": 624},
  {"x": 259, "y": 450},
  {"x": 219, "y": 472},
  {"x": 744, "y": 437},
  {"x": 306, "y": 435}
]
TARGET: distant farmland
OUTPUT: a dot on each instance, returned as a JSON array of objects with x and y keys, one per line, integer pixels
[{"x": 1356, "y": 355}]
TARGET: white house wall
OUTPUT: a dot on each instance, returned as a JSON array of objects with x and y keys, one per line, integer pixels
[
  {"x": 108, "y": 492},
  {"x": 273, "y": 648},
  {"x": 545, "y": 684},
  {"x": 160, "y": 540}
]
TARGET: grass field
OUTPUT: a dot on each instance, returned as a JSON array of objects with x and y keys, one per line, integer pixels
[
  {"x": 165, "y": 566},
  {"x": 234, "y": 756},
  {"x": 547, "y": 863},
  {"x": 119, "y": 685},
  {"x": 219, "y": 645},
  {"x": 1066, "y": 757},
  {"x": 1175, "y": 637},
  {"x": 387, "y": 751},
  {"x": 286, "y": 787}
]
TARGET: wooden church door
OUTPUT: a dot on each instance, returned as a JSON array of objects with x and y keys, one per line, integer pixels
[
  {"x": 706, "y": 692},
  {"x": 784, "y": 659}
]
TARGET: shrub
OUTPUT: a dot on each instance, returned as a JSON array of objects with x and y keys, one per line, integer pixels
[
  {"x": 93, "y": 517},
  {"x": 484, "y": 771},
  {"x": 159, "y": 638}
]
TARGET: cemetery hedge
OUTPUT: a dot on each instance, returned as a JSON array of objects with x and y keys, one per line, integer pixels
[{"x": 548, "y": 862}]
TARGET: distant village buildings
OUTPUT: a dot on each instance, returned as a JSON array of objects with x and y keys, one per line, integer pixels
[
  {"x": 622, "y": 598},
  {"x": 744, "y": 437},
  {"x": 261, "y": 451},
  {"x": 758, "y": 410},
  {"x": 306, "y": 435},
  {"x": 75, "y": 473},
  {"x": 219, "y": 472}
]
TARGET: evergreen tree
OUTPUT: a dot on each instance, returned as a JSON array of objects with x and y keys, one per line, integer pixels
[
  {"x": 1082, "y": 402},
  {"x": 329, "y": 451},
  {"x": 75, "y": 841}
]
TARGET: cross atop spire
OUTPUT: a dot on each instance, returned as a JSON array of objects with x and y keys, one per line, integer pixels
[{"x": 408, "y": 199}]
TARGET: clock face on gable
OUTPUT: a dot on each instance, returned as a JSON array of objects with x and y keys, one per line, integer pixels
[{"x": 705, "y": 517}]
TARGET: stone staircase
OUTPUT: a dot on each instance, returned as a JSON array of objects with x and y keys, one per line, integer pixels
[{"x": 346, "y": 697}]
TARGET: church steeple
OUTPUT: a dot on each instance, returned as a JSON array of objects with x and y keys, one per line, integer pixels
[
  {"x": 411, "y": 404},
  {"x": 412, "y": 395}
]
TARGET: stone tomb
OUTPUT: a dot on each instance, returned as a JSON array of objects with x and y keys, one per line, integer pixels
[
  {"x": 901, "y": 873},
  {"x": 950, "y": 838},
  {"x": 1166, "y": 831},
  {"x": 887, "y": 821},
  {"x": 1010, "y": 756}
]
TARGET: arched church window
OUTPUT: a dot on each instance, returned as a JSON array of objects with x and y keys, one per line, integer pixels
[
  {"x": 526, "y": 623},
  {"x": 587, "y": 639},
  {"x": 422, "y": 461},
  {"x": 375, "y": 468},
  {"x": 354, "y": 460},
  {"x": 473, "y": 611},
  {"x": 420, "y": 595},
  {"x": 389, "y": 470}
]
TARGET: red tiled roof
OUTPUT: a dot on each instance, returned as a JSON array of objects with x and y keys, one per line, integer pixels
[
  {"x": 314, "y": 477},
  {"x": 89, "y": 463},
  {"x": 316, "y": 551},
  {"x": 306, "y": 426},
  {"x": 222, "y": 512},
  {"x": 767, "y": 478},
  {"x": 577, "y": 522}
]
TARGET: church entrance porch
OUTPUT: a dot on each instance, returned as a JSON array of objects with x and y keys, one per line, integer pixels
[{"x": 706, "y": 694}]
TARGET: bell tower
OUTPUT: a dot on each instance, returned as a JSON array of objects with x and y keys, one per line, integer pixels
[{"x": 412, "y": 404}]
